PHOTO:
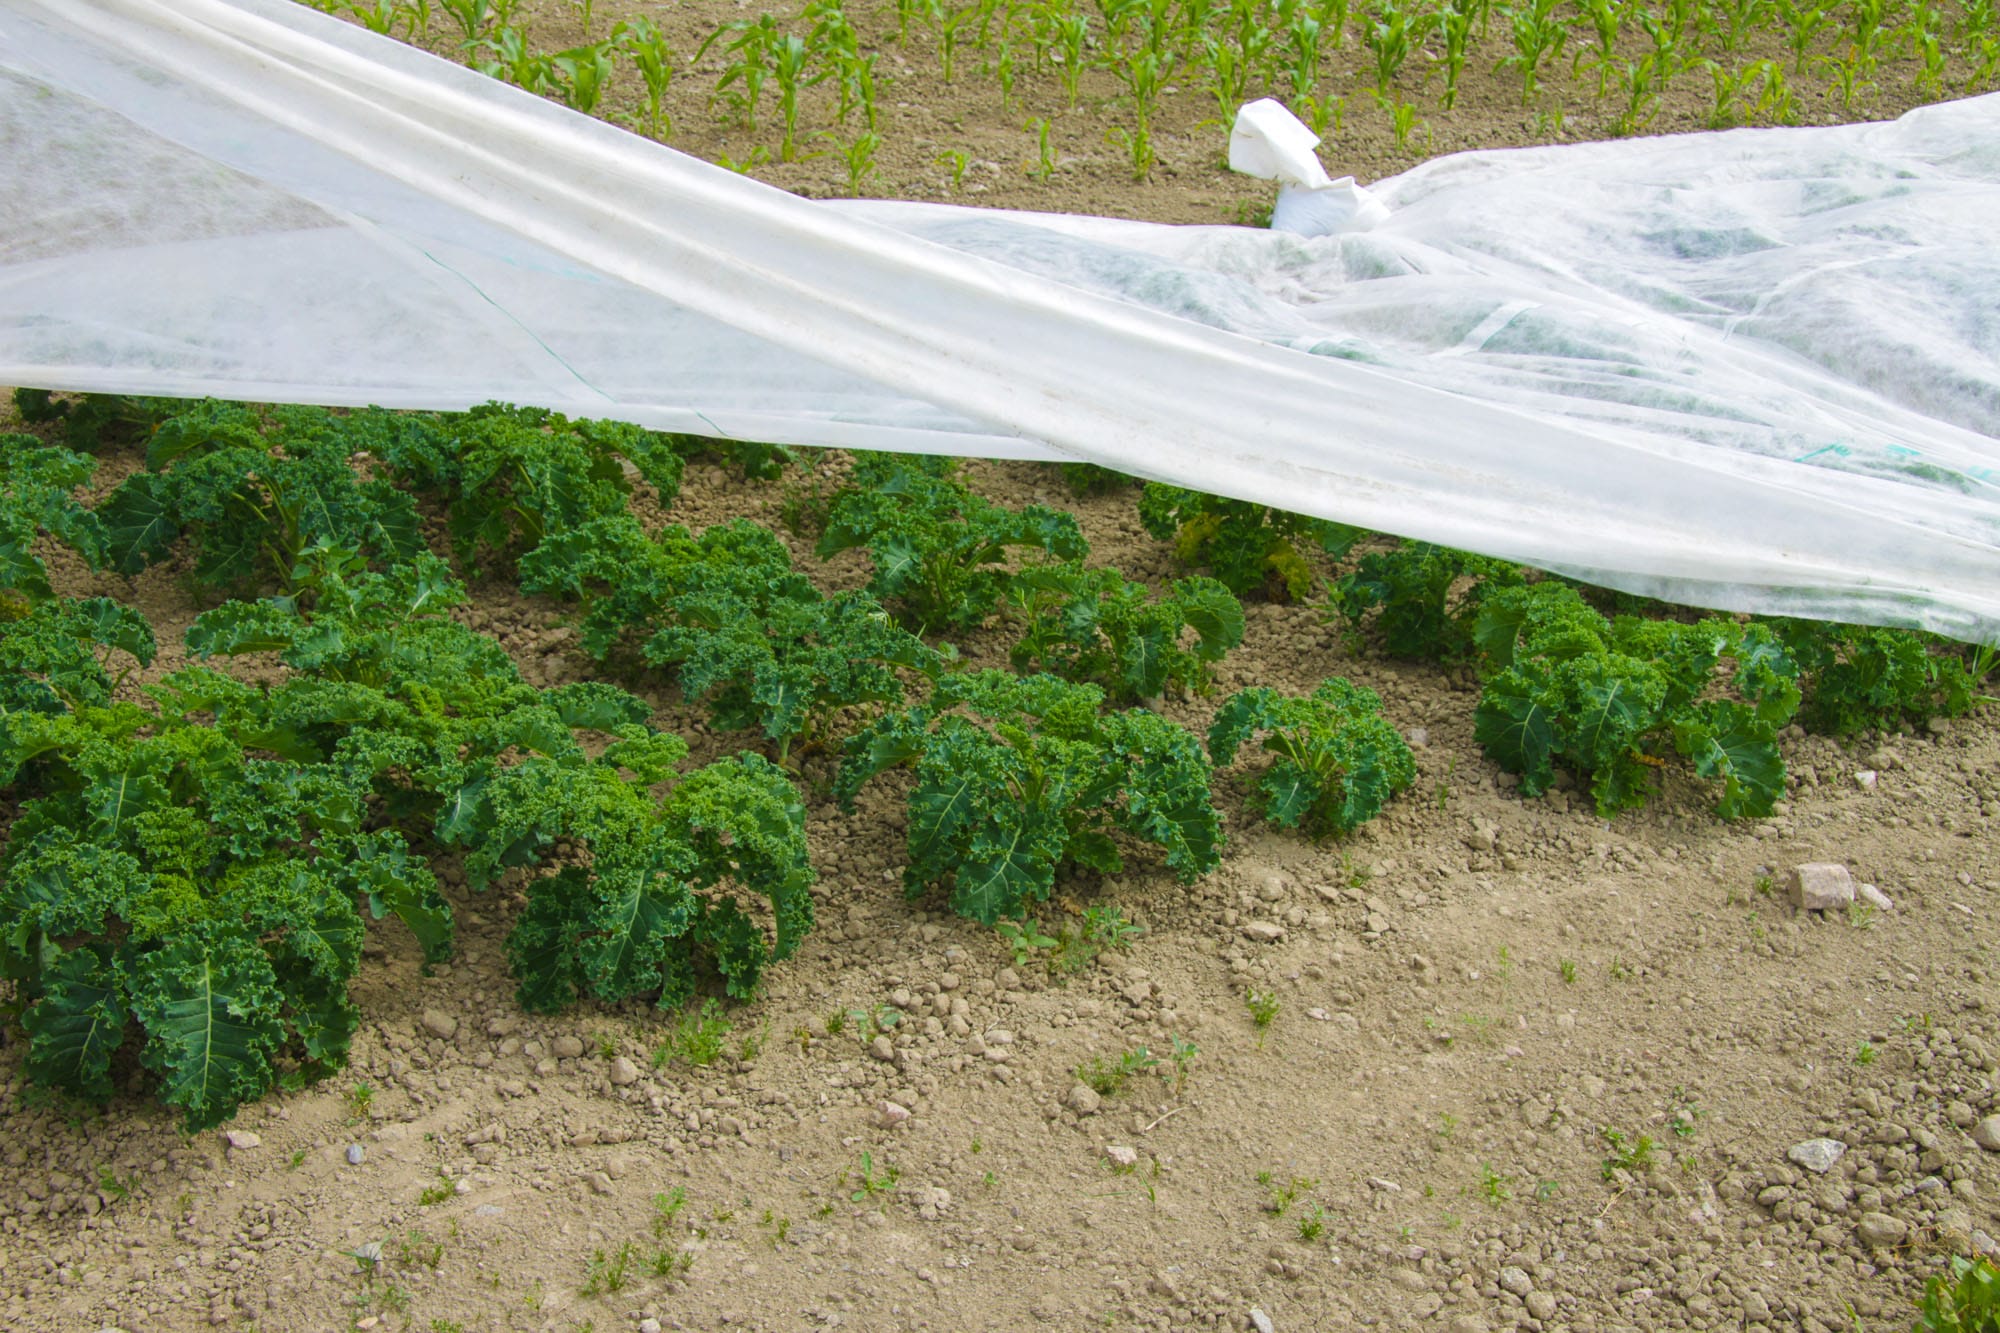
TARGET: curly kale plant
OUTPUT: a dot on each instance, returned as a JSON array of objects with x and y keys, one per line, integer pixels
[
  {"x": 1428, "y": 598},
  {"x": 37, "y": 496},
  {"x": 1092, "y": 625},
  {"x": 251, "y": 493},
  {"x": 1610, "y": 699},
  {"x": 1017, "y": 777},
  {"x": 88, "y": 419},
  {"x": 513, "y": 476},
  {"x": 1859, "y": 676},
  {"x": 1251, "y": 548},
  {"x": 653, "y": 900},
  {"x": 738, "y": 626},
  {"x": 1337, "y": 760},
  {"x": 939, "y": 551},
  {"x": 164, "y": 885}
]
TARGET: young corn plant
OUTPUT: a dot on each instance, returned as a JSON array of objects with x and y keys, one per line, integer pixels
[
  {"x": 793, "y": 68},
  {"x": 1539, "y": 35},
  {"x": 581, "y": 74},
  {"x": 1454, "y": 21},
  {"x": 752, "y": 54},
  {"x": 648, "y": 50},
  {"x": 510, "y": 59},
  {"x": 1392, "y": 35},
  {"x": 1804, "y": 21},
  {"x": 1606, "y": 18}
]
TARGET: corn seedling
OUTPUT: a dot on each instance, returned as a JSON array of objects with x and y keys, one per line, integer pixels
[
  {"x": 647, "y": 48},
  {"x": 1539, "y": 36},
  {"x": 752, "y": 53},
  {"x": 858, "y": 155},
  {"x": 580, "y": 75},
  {"x": 1392, "y": 35},
  {"x": 1454, "y": 21},
  {"x": 1045, "y": 157},
  {"x": 512, "y": 60}
]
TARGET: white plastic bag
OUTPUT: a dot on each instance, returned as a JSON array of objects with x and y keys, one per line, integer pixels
[{"x": 1753, "y": 370}]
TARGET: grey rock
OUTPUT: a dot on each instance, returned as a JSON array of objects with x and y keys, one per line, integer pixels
[
  {"x": 1880, "y": 1230},
  {"x": 891, "y": 1114},
  {"x": 356, "y": 1154},
  {"x": 1516, "y": 1280},
  {"x": 623, "y": 1072},
  {"x": 1082, "y": 1100},
  {"x": 1987, "y": 1133},
  {"x": 882, "y": 1049},
  {"x": 1865, "y": 779},
  {"x": 1820, "y": 886},
  {"x": 566, "y": 1047},
  {"x": 241, "y": 1139},
  {"x": 1541, "y": 1306},
  {"x": 1960, "y": 1114},
  {"x": 1266, "y": 932},
  {"x": 1985, "y": 1244},
  {"x": 600, "y": 1183},
  {"x": 440, "y": 1024},
  {"x": 1817, "y": 1155},
  {"x": 649, "y": 1326},
  {"x": 1119, "y": 1154},
  {"x": 1468, "y": 1323},
  {"x": 1875, "y": 897},
  {"x": 1261, "y": 1321}
]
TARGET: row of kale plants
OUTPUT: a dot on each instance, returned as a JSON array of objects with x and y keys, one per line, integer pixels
[{"x": 187, "y": 879}]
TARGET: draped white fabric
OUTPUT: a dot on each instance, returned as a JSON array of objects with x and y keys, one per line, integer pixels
[{"x": 1754, "y": 370}]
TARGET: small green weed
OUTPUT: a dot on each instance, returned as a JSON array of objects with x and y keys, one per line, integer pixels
[
  {"x": 1182, "y": 1055},
  {"x": 670, "y": 1263},
  {"x": 666, "y": 1207},
  {"x": 109, "y": 1183},
  {"x": 1496, "y": 1188},
  {"x": 1566, "y": 969},
  {"x": 697, "y": 1038},
  {"x": 1283, "y": 1196},
  {"x": 443, "y": 1188},
  {"x": 1312, "y": 1223},
  {"x": 418, "y": 1248},
  {"x": 609, "y": 1273},
  {"x": 359, "y": 1099},
  {"x": 1864, "y": 1054},
  {"x": 1628, "y": 1154},
  {"x": 1107, "y": 1078},
  {"x": 1263, "y": 1007},
  {"x": 869, "y": 1184}
]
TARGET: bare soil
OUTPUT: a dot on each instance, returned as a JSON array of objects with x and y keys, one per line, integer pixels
[{"x": 1528, "y": 1068}]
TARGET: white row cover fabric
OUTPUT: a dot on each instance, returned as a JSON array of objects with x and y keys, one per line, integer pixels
[{"x": 1756, "y": 370}]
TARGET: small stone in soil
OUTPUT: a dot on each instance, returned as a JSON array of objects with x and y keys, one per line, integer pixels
[
  {"x": 1987, "y": 1133},
  {"x": 440, "y": 1024},
  {"x": 241, "y": 1139},
  {"x": 1821, "y": 886},
  {"x": 1261, "y": 1321},
  {"x": 1817, "y": 1155},
  {"x": 1120, "y": 1155},
  {"x": 356, "y": 1154}
]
